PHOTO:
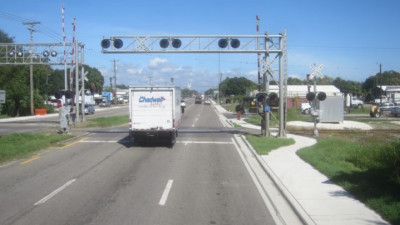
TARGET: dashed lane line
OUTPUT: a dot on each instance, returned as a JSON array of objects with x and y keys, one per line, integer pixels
[
  {"x": 165, "y": 194},
  {"x": 52, "y": 194}
]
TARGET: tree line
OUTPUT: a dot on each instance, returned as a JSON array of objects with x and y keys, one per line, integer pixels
[{"x": 367, "y": 90}]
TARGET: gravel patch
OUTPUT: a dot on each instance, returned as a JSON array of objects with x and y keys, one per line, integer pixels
[{"x": 345, "y": 125}]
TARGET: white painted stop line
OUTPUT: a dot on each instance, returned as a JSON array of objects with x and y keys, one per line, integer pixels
[{"x": 205, "y": 142}]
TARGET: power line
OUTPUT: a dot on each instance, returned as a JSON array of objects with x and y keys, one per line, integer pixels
[{"x": 40, "y": 28}]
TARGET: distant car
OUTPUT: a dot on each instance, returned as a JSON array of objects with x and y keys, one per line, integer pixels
[
  {"x": 305, "y": 108},
  {"x": 105, "y": 104},
  {"x": 197, "y": 100},
  {"x": 207, "y": 102},
  {"x": 89, "y": 109},
  {"x": 56, "y": 103},
  {"x": 386, "y": 106},
  {"x": 395, "y": 111}
]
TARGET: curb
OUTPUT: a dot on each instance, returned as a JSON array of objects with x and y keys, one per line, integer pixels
[{"x": 294, "y": 204}]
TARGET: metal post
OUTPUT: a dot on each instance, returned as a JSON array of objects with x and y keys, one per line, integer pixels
[
  {"x": 115, "y": 82},
  {"x": 315, "y": 117},
  {"x": 76, "y": 82},
  {"x": 266, "y": 116},
  {"x": 281, "y": 92},
  {"x": 83, "y": 94},
  {"x": 219, "y": 89}
]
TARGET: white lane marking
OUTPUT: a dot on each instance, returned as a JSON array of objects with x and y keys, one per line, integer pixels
[
  {"x": 205, "y": 142},
  {"x": 164, "y": 196},
  {"x": 52, "y": 194}
]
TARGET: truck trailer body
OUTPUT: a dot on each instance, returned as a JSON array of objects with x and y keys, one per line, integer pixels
[{"x": 154, "y": 114}]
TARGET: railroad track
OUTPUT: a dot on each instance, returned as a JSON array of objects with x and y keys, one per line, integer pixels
[{"x": 344, "y": 131}]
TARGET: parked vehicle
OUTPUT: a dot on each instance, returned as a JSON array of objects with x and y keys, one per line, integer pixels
[
  {"x": 305, "y": 108},
  {"x": 105, "y": 103},
  {"x": 384, "y": 108},
  {"x": 207, "y": 102},
  {"x": 55, "y": 103},
  {"x": 89, "y": 109},
  {"x": 387, "y": 106},
  {"x": 395, "y": 111},
  {"x": 154, "y": 114},
  {"x": 107, "y": 96}
]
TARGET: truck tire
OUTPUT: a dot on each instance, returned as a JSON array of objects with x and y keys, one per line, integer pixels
[{"x": 173, "y": 139}]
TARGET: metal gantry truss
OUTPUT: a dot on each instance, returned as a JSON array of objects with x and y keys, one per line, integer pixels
[
  {"x": 273, "y": 46},
  {"x": 49, "y": 54},
  {"x": 187, "y": 44},
  {"x": 41, "y": 53}
]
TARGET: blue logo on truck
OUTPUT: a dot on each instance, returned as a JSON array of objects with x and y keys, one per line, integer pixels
[{"x": 151, "y": 100}]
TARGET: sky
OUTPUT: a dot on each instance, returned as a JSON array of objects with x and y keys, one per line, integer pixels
[{"x": 349, "y": 37}]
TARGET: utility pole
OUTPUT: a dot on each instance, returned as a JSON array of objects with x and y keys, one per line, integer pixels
[
  {"x": 380, "y": 77},
  {"x": 31, "y": 30}
]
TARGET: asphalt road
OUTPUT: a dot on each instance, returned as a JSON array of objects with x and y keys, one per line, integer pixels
[{"x": 103, "y": 179}]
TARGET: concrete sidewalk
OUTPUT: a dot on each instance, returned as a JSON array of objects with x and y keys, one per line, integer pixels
[{"x": 323, "y": 201}]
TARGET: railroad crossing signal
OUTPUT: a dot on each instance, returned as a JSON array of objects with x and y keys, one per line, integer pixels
[{"x": 316, "y": 70}]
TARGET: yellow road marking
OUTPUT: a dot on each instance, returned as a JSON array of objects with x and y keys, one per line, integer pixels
[
  {"x": 30, "y": 160},
  {"x": 75, "y": 142}
]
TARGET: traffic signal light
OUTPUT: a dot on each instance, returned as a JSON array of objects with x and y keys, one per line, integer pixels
[
  {"x": 68, "y": 94},
  {"x": 118, "y": 43},
  {"x": 164, "y": 43},
  {"x": 273, "y": 99},
  {"x": 261, "y": 97},
  {"x": 176, "y": 43},
  {"x": 105, "y": 43},
  {"x": 235, "y": 43},
  {"x": 223, "y": 43},
  {"x": 321, "y": 96}
]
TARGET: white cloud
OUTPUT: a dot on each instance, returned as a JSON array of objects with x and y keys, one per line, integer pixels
[{"x": 157, "y": 62}]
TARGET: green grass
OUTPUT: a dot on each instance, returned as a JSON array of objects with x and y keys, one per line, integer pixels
[
  {"x": 292, "y": 115},
  {"x": 364, "y": 110},
  {"x": 106, "y": 121},
  {"x": 264, "y": 145},
  {"x": 16, "y": 146},
  {"x": 3, "y": 116},
  {"x": 367, "y": 166}
]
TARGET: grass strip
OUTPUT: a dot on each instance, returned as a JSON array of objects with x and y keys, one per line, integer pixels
[
  {"x": 106, "y": 121},
  {"x": 367, "y": 167},
  {"x": 264, "y": 145},
  {"x": 16, "y": 146}
]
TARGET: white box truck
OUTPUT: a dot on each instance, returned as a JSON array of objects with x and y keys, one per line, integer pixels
[{"x": 154, "y": 114}]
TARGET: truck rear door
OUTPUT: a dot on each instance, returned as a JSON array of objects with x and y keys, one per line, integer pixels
[{"x": 152, "y": 109}]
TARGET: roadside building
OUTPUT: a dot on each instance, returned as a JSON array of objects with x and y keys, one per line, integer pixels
[{"x": 391, "y": 93}]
